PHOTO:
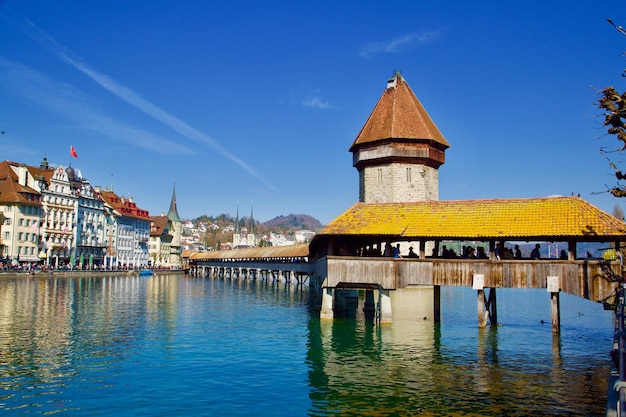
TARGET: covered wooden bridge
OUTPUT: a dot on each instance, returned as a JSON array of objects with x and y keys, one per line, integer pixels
[
  {"x": 348, "y": 253},
  {"x": 286, "y": 263},
  {"x": 343, "y": 251}
]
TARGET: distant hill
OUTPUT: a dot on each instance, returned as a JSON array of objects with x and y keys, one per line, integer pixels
[{"x": 294, "y": 222}]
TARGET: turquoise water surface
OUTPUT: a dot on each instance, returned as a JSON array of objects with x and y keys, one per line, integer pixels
[{"x": 179, "y": 345}]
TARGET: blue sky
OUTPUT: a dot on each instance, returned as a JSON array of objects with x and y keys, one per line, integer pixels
[{"x": 255, "y": 104}]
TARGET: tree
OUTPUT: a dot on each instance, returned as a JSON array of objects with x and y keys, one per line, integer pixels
[{"x": 614, "y": 105}]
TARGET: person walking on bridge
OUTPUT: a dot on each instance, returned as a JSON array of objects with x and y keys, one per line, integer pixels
[
  {"x": 396, "y": 251},
  {"x": 535, "y": 252}
]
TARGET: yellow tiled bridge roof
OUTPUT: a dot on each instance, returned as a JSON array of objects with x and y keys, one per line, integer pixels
[{"x": 549, "y": 218}]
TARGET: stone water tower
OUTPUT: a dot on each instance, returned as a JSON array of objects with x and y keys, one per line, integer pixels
[{"x": 399, "y": 149}]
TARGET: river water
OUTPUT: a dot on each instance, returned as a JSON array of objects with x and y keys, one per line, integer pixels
[{"x": 187, "y": 346}]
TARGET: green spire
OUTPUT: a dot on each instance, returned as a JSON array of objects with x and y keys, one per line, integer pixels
[
  {"x": 237, "y": 220},
  {"x": 251, "y": 227},
  {"x": 173, "y": 213}
]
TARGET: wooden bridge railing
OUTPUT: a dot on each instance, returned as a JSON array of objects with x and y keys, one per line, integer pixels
[{"x": 591, "y": 279}]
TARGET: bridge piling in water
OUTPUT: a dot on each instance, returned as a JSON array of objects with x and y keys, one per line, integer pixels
[{"x": 380, "y": 277}]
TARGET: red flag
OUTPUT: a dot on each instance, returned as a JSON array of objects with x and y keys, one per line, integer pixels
[{"x": 73, "y": 152}]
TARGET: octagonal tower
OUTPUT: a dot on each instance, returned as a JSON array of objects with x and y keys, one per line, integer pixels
[{"x": 399, "y": 149}]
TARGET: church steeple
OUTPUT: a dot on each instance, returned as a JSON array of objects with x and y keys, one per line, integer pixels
[
  {"x": 251, "y": 226},
  {"x": 399, "y": 149},
  {"x": 237, "y": 220},
  {"x": 173, "y": 213}
]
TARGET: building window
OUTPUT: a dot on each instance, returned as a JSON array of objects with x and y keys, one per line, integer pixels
[
  {"x": 408, "y": 175},
  {"x": 7, "y": 236},
  {"x": 380, "y": 175}
]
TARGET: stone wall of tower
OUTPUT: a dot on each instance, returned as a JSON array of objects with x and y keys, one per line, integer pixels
[
  {"x": 177, "y": 233},
  {"x": 398, "y": 182}
]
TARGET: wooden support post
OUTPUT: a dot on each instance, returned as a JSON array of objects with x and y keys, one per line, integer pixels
[
  {"x": 437, "y": 303},
  {"x": 492, "y": 250},
  {"x": 571, "y": 250},
  {"x": 554, "y": 288},
  {"x": 492, "y": 307},
  {"x": 478, "y": 283},
  {"x": 556, "y": 315},
  {"x": 482, "y": 313},
  {"x": 422, "y": 249},
  {"x": 369, "y": 309}
]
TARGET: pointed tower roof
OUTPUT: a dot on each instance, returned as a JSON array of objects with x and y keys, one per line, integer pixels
[
  {"x": 251, "y": 226},
  {"x": 399, "y": 115},
  {"x": 173, "y": 213}
]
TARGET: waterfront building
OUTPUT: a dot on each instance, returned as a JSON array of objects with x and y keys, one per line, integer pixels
[
  {"x": 131, "y": 232},
  {"x": 20, "y": 210},
  {"x": 165, "y": 249},
  {"x": 92, "y": 227},
  {"x": 54, "y": 215},
  {"x": 59, "y": 210},
  {"x": 159, "y": 248}
]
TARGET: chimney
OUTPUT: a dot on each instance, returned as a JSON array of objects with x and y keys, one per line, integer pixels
[{"x": 22, "y": 175}]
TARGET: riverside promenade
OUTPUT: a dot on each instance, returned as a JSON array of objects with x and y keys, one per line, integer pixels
[{"x": 40, "y": 273}]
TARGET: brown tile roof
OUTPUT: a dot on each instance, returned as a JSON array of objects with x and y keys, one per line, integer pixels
[
  {"x": 549, "y": 218},
  {"x": 11, "y": 191},
  {"x": 399, "y": 115},
  {"x": 159, "y": 223},
  {"x": 276, "y": 252}
]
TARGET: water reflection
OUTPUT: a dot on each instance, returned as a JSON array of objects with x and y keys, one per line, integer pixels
[
  {"x": 237, "y": 347},
  {"x": 416, "y": 367}
]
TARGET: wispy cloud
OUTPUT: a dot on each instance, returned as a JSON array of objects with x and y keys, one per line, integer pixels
[
  {"x": 316, "y": 102},
  {"x": 70, "y": 103},
  {"x": 128, "y": 95},
  {"x": 312, "y": 99},
  {"x": 400, "y": 44}
]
